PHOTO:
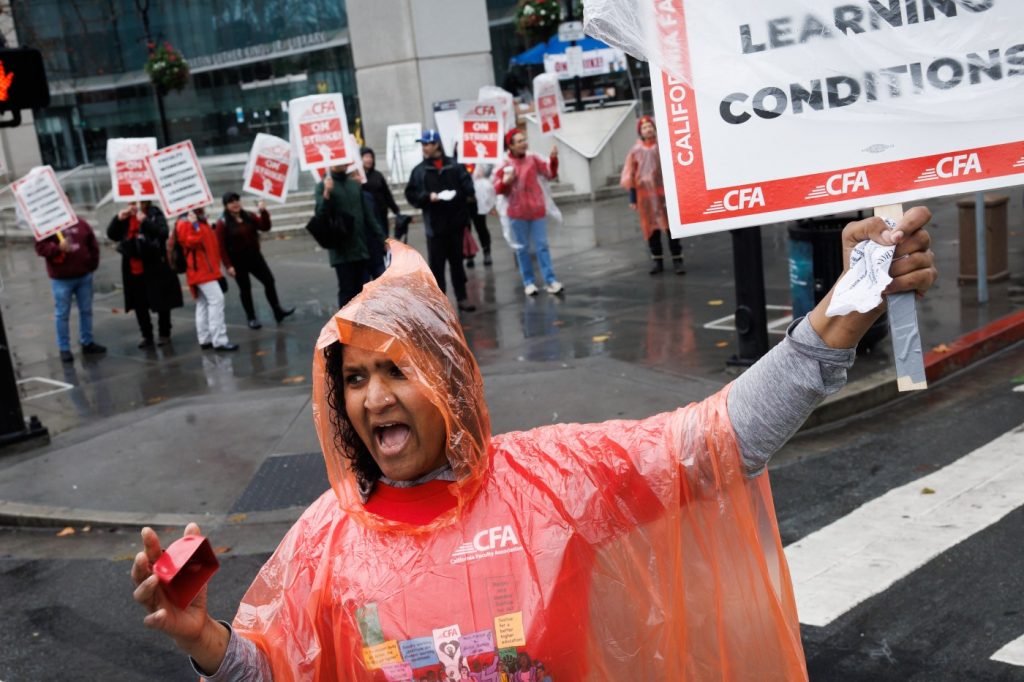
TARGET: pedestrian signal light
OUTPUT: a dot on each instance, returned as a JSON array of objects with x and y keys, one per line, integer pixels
[{"x": 22, "y": 80}]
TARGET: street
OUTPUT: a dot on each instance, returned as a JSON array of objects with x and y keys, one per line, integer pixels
[{"x": 69, "y": 614}]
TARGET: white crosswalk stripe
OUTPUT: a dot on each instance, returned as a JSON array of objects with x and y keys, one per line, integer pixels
[
  {"x": 1012, "y": 653},
  {"x": 862, "y": 554}
]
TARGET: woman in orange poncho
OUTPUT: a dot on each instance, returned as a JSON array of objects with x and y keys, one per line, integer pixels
[
  {"x": 641, "y": 175},
  {"x": 643, "y": 550}
]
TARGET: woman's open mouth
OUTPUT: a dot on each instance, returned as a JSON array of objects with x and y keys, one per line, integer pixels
[{"x": 391, "y": 438}]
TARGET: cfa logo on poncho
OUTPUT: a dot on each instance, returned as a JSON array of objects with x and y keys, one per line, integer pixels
[{"x": 496, "y": 541}]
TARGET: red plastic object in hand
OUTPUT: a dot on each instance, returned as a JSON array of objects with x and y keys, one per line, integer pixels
[{"x": 185, "y": 567}]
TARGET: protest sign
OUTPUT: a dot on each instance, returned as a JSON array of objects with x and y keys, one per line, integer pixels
[
  {"x": 481, "y": 137},
  {"x": 576, "y": 62},
  {"x": 356, "y": 168},
  {"x": 129, "y": 177},
  {"x": 547, "y": 96},
  {"x": 43, "y": 203},
  {"x": 507, "y": 100},
  {"x": 783, "y": 110},
  {"x": 319, "y": 131},
  {"x": 403, "y": 150},
  {"x": 266, "y": 173},
  {"x": 446, "y": 121},
  {"x": 180, "y": 183}
]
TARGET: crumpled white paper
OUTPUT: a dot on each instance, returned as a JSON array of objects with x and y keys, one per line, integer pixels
[
  {"x": 860, "y": 289},
  {"x": 446, "y": 195}
]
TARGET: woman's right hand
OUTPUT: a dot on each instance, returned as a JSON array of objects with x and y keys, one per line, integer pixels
[
  {"x": 192, "y": 628},
  {"x": 184, "y": 625}
]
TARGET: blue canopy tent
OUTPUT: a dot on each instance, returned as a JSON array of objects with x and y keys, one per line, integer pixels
[{"x": 535, "y": 55}]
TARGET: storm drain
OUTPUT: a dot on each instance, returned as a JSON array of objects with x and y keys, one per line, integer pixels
[{"x": 284, "y": 481}]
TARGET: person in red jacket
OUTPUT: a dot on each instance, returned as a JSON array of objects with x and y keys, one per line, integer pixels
[
  {"x": 202, "y": 258},
  {"x": 527, "y": 208},
  {"x": 72, "y": 255}
]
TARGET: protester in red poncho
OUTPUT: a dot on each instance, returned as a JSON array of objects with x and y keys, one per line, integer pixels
[
  {"x": 641, "y": 175},
  {"x": 640, "y": 550}
]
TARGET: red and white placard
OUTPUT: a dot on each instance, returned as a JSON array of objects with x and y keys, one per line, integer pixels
[
  {"x": 319, "y": 131},
  {"x": 129, "y": 176},
  {"x": 266, "y": 173},
  {"x": 547, "y": 97},
  {"x": 482, "y": 131},
  {"x": 43, "y": 202},
  {"x": 180, "y": 183},
  {"x": 781, "y": 110}
]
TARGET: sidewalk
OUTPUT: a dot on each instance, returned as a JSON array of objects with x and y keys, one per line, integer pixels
[{"x": 178, "y": 434}]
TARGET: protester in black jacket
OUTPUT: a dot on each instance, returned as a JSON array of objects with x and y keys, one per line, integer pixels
[
  {"x": 376, "y": 186},
  {"x": 440, "y": 187},
  {"x": 149, "y": 283}
]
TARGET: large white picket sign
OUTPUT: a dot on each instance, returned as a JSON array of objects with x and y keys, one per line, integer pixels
[
  {"x": 319, "y": 130},
  {"x": 180, "y": 182},
  {"x": 770, "y": 111},
  {"x": 43, "y": 202}
]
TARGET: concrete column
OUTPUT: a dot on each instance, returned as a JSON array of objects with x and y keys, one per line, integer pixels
[
  {"x": 19, "y": 147},
  {"x": 409, "y": 54}
]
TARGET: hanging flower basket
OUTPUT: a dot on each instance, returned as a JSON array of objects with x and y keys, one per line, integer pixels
[
  {"x": 537, "y": 20},
  {"x": 166, "y": 68}
]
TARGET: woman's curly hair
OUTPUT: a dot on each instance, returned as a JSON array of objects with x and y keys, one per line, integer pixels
[{"x": 345, "y": 437}]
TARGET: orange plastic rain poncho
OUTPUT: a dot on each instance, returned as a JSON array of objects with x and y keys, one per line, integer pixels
[
  {"x": 628, "y": 550},
  {"x": 642, "y": 172}
]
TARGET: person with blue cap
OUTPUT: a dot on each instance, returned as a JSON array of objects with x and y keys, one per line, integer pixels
[{"x": 440, "y": 187}]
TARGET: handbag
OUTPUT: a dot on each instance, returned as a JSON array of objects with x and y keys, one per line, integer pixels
[
  {"x": 469, "y": 247},
  {"x": 329, "y": 232}
]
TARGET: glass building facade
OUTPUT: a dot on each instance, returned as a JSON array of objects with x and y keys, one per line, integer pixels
[{"x": 247, "y": 59}]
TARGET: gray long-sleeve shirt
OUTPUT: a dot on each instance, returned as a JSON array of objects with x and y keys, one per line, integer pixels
[{"x": 767, "y": 404}]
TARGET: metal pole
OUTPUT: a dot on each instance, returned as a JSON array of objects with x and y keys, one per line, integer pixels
[
  {"x": 576, "y": 85},
  {"x": 751, "y": 311},
  {"x": 979, "y": 231},
  {"x": 13, "y": 428}
]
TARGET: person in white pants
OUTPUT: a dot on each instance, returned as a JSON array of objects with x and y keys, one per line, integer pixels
[{"x": 202, "y": 258}]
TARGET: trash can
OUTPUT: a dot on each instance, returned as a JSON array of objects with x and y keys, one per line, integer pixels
[
  {"x": 815, "y": 264},
  {"x": 996, "y": 244}
]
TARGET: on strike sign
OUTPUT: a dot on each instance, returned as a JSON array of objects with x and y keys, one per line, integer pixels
[
  {"x": 547, "y": 93},
  {"x": 777, "y": 110},
  {"x": 43, "y": 202},
  {"x": 180, "y": 182},
  {"x": 481, "y": 136},
  {"x": 266, "y": 174},
  {"x": 129, "y": 176},
  {"x": 319, "y": 130}
]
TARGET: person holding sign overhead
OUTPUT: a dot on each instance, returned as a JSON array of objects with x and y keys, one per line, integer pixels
[
  {"x": 72, "y": 255},
  {"x": 239, "y": 241},
  {"x": 629, "y": 549},
  {"x": 140, "y": 231}
]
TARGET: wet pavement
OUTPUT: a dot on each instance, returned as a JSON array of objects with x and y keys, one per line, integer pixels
[{"x": 179, "y": 430}]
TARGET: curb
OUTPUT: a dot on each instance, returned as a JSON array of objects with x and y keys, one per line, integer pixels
[
  {"x": 880, "y": 388},
  {"x": 859, "y": 396}
]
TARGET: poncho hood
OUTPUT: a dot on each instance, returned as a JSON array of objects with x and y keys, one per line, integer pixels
[{"x": 404, "y": 315}]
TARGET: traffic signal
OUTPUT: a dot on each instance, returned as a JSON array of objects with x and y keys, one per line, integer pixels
[{"x": 22, "y": 80}]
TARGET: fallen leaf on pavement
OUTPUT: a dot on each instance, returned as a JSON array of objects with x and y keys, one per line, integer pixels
[
  {"x": 154, "y": 401},
  {"x": 221, "y": 550},
  {"x": 716, "y": 301},
  {"x": 721, "y": 344},
  {"x": 558, "y": 323},
  {"x": 86, "y": 529},
  {"x": 237, "y": 518},
  {"x": 260, "y": 353},
  {"x": 941, "y": 348},
  {"x": 601, "y": 338},
  {"x": 66, "y": 532},
  {"x": 116, "y": 311},
  {"x": 927, "y": 491},
  {"x": 297, "y": 379},
  {"x": 124, "y": 557}
]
